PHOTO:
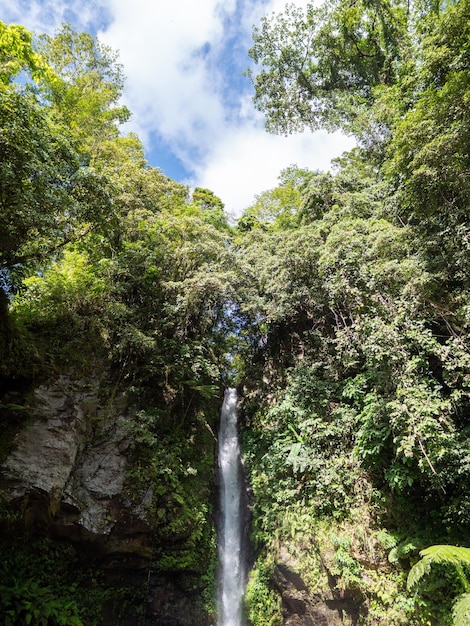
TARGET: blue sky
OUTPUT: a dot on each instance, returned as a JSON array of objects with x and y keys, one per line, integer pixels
[{"x": 184, "y": 62}]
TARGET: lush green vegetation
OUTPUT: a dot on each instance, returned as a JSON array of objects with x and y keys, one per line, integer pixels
[
  {"x": 357, "y": 420},
  {"x": 108, "y": 266},
  {"x": 339, "y": 302}
]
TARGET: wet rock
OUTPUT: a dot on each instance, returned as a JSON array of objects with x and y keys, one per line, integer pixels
[
  {"x": 45, "y": 452},
  {"x": 67, "y": 469}
]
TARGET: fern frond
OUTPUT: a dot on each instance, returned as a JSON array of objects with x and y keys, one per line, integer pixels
[
  {"x": 448, "y": 554},
  {"x": 461, "y": 611},
  {"x": 401, "y": 551},
  {"x": 437, "y": 554},
  {"x": 386, "y": 539},
  {"x": 419, "y": 569}
]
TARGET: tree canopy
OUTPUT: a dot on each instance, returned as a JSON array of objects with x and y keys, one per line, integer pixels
[{"x": 322, "y": 66}]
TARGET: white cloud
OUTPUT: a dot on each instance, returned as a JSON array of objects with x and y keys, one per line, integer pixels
[
  {"x": 169, "y": 86},
  {"x": 178, "y": 68},
  {"x": 249, "y": 162},
  {"x": 45, "y": 16},
  {"x": 178, "y": 94}
]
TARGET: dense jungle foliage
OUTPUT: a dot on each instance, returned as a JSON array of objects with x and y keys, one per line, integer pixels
[{"x": 339, "y": 303}]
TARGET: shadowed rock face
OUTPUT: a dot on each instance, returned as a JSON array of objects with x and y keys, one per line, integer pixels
[
  {"x": 68, "y": 466},
  {"x": 45, "y": 452},
  {"x": 301, "y": 608},
  {"x": 66, "y": 471}
]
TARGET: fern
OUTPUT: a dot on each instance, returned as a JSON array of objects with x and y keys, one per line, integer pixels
[
  {"x": 452, "y": 555},
  {"x": 446, "y": 554},
  {"x": 401, "y": 551},
  {"x": 461, "y": 610},
  {"x": 386, "y": 539}
]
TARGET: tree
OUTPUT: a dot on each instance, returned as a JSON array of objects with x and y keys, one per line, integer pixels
[
  {"x": 86, "y": 98},
  {"x": 320, "y": 68},
  {"x": 427, "y": 161},
  {"x": 17, "y": 53},
  {"x": 279, "y": 206},
  {"x": 48, "y": 194},
  {"x": 212, "y": 208}
]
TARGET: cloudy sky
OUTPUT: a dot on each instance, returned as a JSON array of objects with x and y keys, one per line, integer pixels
[{"x": 184, "y": 62}]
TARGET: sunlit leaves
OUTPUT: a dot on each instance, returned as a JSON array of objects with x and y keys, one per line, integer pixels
[
  {"x": 46, "y": 197},
  {"x": 319, "y": 67},
  {"x": 365, "y": 264},
  {"x": 440, "y": 554},
  {"x": 86, "y": 98},
  {"x": 17, "y": 53},
  {"x": 461, "y": 610},
  {"x": 280, "y": 207}
]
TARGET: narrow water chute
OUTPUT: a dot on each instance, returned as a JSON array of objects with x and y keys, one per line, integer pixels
[{"x": 231, "y": 553}]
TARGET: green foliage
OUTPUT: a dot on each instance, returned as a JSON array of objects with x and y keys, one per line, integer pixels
[
  {"x": 427, "y": 158},
  {"x": 362, "y": 353},
  {"x": 262, "y": 603},
  {"x": 86, "y": 97},
  {"x": 459, "y": 559},
  {"x": 320, "y": 66},
  {"x": 461, "y": 610},
  {"x": 45, "y": 583},
  {"x": 443, "y": 554},
  {"x": 17, "y": 53},
  {"x": 345, "y": 565},
  {"x": 28, "y": 603},
  {"x": 212, "y": 208},
  {"x": 171, "y": 474},
  {"x": 278, "y": 207},
  {"x": 341, "y": 303},
  {"x": 170, "y": 286},
  {"x": 48, "y": 198},
  {"x": 61, "y": 307},
  {"x": 70, "y": 283}
]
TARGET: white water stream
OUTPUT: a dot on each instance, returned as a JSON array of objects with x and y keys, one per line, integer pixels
[{"x": 231, "y": 557}]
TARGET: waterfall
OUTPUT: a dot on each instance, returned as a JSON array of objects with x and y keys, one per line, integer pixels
[{"x": 231, "y": 552}]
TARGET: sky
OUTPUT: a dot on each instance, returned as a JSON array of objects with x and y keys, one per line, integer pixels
[{"x": 191, "y": 104}]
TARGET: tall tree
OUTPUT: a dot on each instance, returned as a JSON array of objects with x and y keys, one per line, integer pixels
[
  {"x": 319, "y": 68},
  {"x": 86, "y": 98},
  {"x": 48, "y": 193},
  {"x": 428, "y": 159}
]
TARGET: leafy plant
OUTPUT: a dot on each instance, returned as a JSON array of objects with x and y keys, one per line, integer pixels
[
  {"x": 262, "y": 603},
  {"x": 26, "y": 602},
  {"x": 459, "y": 559}
]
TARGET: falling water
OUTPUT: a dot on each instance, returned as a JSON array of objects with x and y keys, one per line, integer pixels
[{"x": 232, "y": 579}]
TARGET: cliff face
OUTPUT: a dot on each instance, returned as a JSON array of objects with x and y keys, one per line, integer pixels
[
  {"x": 299, "y": 607},
  {"x": 66, "y": 476},
  {"x": 67, "y": 467}
]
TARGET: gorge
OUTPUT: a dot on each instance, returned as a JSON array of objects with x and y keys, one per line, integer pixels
[{"x": 337, "y": 305}]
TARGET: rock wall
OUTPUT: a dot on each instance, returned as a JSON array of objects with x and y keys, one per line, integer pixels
[
  {"x": 67, "y": 465},
  {"x": 66, "y": 472},
  {"x": 301, "y": 608}
]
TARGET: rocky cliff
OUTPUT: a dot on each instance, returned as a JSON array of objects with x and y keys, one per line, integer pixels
[{"x": 65, "y": 476}]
